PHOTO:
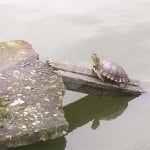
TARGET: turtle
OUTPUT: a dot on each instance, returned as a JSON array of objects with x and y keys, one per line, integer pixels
[{"x": 109, "y": 71}]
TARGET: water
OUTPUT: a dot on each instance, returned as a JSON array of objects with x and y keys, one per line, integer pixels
[{"x": 70, "y": 31}]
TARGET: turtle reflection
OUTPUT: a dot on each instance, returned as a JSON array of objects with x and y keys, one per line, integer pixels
[{"x": 94, "y": 108}]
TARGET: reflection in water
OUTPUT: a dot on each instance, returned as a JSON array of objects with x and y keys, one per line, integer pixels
[
  {"x": 94, "y": 108},
  {"x": 89, "y": 108}
]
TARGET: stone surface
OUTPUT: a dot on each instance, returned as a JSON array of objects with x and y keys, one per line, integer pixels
[{"x": 34, "y": 95}]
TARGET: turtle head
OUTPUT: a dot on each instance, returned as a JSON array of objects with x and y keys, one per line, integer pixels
[{"x": 95, "y": 59}]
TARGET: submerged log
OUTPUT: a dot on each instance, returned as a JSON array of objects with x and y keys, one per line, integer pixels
[
  {"x": 33, "y": 96},
  {"x": 82, "y": 79}
]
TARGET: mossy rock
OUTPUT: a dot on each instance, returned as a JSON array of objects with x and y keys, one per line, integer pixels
[{"x": 34, "y": 93}]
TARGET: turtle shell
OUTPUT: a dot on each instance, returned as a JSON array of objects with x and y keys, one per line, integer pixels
[{"x": 113, "y": 72}]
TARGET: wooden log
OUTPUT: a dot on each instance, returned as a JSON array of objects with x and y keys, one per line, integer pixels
[{"x": 82, "y": 79}]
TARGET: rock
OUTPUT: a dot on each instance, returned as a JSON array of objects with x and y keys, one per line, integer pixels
[{"x": 33, "y": 93}]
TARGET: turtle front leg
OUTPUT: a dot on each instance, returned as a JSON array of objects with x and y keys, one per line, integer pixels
[{"x": 99, "y": 75}]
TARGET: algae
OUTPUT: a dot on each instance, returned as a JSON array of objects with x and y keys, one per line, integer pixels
[{"x": 3, "y": 112}]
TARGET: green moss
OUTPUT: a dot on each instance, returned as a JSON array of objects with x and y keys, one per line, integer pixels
[
  {"x": 1, "y": 101},
  {"x": 3, "y": 112},
  {"x": 43, "y": 135},
  {"x": 58, "y": 134},
  {"x": 1, "y": 125},
  {"x": 8, "y": 49}
]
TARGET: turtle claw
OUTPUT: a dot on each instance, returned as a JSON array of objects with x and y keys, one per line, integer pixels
[{"x": 99, "y": 75}]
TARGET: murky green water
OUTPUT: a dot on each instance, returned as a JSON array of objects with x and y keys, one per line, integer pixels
[{"x": 70, "y": 30}]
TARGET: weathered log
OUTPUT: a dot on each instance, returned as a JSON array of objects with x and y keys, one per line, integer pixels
[
  {"x": 82, "y": 79},
  {"x": 34, "y": 96}
]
